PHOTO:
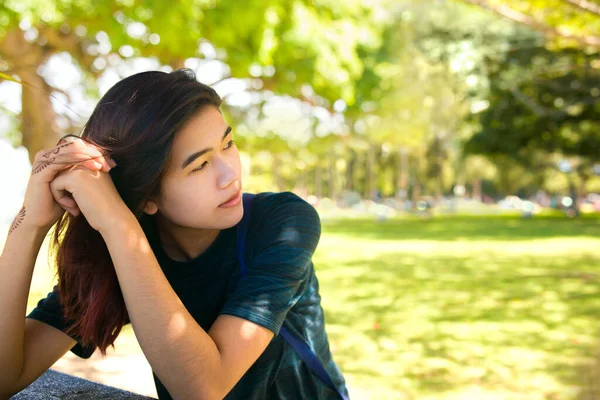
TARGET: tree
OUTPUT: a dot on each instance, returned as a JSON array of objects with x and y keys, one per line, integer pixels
[
  {"x": 544, "y": 108},
  {"x": 567, "y": 22},
  {"x": 272, "y": 45},
  {"x": 424, "y": 98}
]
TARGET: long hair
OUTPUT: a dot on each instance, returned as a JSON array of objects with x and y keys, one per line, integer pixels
[{"x": 135, "y": 122}]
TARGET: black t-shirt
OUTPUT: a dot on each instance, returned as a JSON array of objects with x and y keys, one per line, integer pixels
[{"x": 280, "y": 287}]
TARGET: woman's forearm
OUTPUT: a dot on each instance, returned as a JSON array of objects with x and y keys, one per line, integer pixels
[
  {"x": 16, "y": 270},
  {"x": 181, "y": 353}
]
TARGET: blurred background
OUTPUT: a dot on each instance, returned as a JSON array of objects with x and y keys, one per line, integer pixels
[{"x": 452, "y": 148}]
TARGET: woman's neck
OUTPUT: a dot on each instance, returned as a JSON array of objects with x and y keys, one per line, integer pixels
[{"x": 182, "y": 243}]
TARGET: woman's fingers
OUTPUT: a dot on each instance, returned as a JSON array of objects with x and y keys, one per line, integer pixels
[
  {"x": 68, "y": 204},
  {"x": 67, "y": 138},
  {"x": 62, "y": 196},
  {"x": 102, "y": 161},
  {"x": 69, "y": 152}
]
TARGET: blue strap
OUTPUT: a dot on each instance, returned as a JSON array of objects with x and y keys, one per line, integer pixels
[
  {"x": 242, "y": 228},
  {"x": 310, "y": 358},
  {"x": 300, "y": 347}
]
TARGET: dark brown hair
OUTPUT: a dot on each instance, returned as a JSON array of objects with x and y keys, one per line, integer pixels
[{"x": 135, "y": 122}]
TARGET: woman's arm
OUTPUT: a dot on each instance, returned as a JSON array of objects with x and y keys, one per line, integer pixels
[
  {"x": 191, "y": 363},
  {"x": 39, "y": 212},
  {"x": 16, "y": 269}
]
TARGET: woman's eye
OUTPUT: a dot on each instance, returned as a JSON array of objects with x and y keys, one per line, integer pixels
[
  {"x": 229, "y": 144},
  {"x": 205, "y": 163},
  {"x": 201, "y": 167}
]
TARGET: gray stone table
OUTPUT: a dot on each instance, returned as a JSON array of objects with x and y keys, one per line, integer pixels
[{"x": 53, "y": 385}]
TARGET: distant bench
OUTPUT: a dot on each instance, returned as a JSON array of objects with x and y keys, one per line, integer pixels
[{"x": 53, "y": 385}]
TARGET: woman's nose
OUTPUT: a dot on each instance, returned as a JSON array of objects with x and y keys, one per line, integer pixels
[{"x": 227, "y": 174}]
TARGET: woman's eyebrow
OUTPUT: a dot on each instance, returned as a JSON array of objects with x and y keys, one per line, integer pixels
[{"x": 197, "y": 154}]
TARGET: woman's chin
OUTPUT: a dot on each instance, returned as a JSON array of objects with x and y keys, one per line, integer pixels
[{"x": 229, "y": 217}]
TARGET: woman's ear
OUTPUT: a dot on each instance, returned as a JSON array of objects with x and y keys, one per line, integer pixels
[{"x": 151, "y": 207}]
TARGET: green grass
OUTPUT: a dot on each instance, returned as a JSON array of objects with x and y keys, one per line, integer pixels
[{"x": 462, "y": 307}]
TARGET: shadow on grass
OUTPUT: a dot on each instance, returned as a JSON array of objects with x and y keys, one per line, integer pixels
[
  {"x": 590, "y": 376},
  {"x": 439, "y": 324},
  {"x": 461, "y": 227}
]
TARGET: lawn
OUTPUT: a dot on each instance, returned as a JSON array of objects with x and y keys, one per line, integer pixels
[
  {"x": 462, "y": 307},
  {"x": 452, "y": 308}
]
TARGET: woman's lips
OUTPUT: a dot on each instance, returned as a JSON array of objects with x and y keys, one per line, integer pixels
[{"x": 233, "y": 201}]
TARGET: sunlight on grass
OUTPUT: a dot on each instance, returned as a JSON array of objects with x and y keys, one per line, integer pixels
[{"x": 461, "y": 308}]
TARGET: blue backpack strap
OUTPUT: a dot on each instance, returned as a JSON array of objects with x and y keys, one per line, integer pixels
[
  {"x": 242, "y": 229},
  {"x": 300, "y": 347},
  {"x": 310, "y": 359}
]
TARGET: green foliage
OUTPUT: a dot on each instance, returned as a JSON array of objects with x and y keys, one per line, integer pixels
[
  {"x": 306, "y": 42},
  {"x": 406, "y": 74},
  {"x": 542, "y": 100},
  {"x": 566, "y": 23}
]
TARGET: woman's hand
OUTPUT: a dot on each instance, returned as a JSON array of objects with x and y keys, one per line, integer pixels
[
  {"x": 93, "y": 194},
  {"x": 40, "y": 209}
]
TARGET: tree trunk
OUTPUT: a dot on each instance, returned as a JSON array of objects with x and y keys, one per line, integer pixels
[
  {"x": 332, "y": 178},
  {"x": 476, "y": 193},
  {"x": 581, "y": 190},
  {"x": 370, "y": 176},
  {"x": 440, "y": 186},
  {"x": 38, "y": 119},
  {"x": 276, "y": 174},
  {"x": 303, "y": 180},
  {"x": 416, "y": 194},
  {"x": 573, "y": 192},
  {"x": 177, "y": 63},
  {"x": 318, "y": 181},
  {"x": 395, "y": 164},
  {"x": 403, "y": 170},
  {"x": 350, "y": 170}
]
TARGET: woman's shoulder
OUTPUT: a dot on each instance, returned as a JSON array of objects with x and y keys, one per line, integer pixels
[
  {"x": 282, "y": 203},
  {"x": 283, "y": 221},
  {"x": 278, "y": 197},
  {"x": 272, "y": 210}
]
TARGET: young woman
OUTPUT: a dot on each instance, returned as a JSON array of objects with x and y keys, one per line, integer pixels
[{"x": 153, "y": 192}]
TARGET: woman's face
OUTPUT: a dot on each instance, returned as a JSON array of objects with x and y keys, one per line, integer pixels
[{"x": 204, "y": 172}]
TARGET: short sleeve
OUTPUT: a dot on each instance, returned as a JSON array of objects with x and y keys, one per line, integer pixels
[
  {"x": 282, "y": 239},
  {"x": 50, "y": 311}
]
